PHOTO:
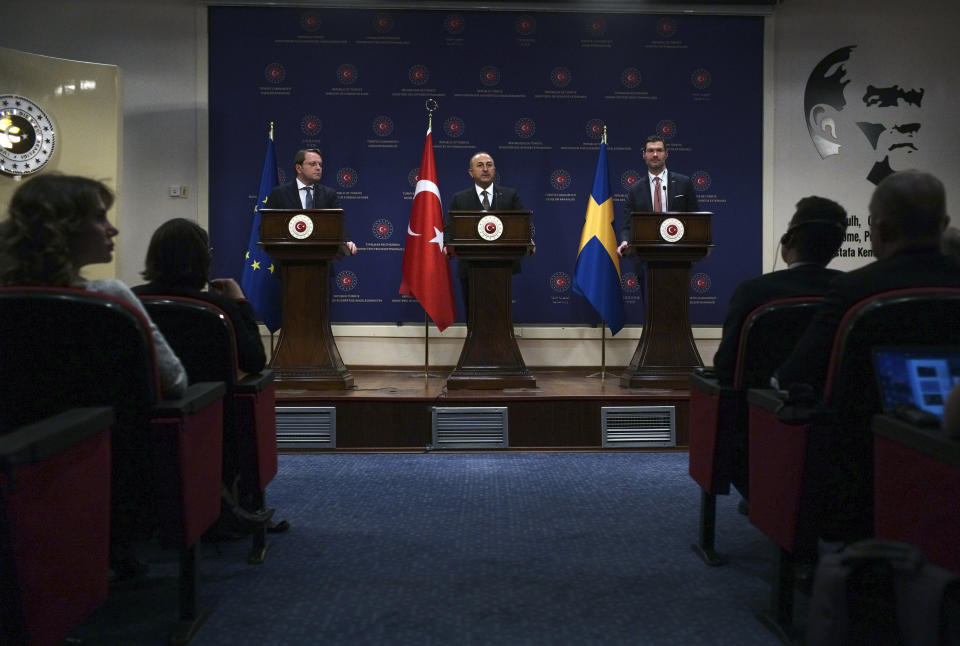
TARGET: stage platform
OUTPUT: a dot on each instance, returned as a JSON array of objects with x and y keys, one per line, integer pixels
[{"x": 391, "y": 409}]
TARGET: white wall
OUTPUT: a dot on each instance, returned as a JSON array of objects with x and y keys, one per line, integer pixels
[
  {"x": 159, "y": 44},
  {"x": 155, "y": 44},
  {"x": 912, "y": 44}
]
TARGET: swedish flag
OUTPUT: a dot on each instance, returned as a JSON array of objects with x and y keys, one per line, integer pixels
[
  {"x": 260, "y": 280},
  {"x": 597, "y": 274}
]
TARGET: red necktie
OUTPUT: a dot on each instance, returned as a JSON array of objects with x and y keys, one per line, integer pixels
[{"x": 657, "y": 203}]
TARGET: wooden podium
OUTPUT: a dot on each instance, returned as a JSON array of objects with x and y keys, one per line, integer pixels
[
  {"x": 491, "y": 242},
  {"x": 304, "y": 242},
  {"x": 669, "y": 243}
]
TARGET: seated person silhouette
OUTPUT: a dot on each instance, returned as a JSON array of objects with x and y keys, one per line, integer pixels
[{"x": 57, "y": 225}]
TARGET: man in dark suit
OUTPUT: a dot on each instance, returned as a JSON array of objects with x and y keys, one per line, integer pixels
[
  {"x": 907, "y": 217},
  {"x": 662, "y": 191},
  {"x": 497, "y": 197},
  {"x": 306, "y": 192},
  {"x": 812, "y": 239},
  {"x": 486, "y": 196}
]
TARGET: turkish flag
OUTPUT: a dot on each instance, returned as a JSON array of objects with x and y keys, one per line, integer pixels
[{"x": 426, "y": 271}]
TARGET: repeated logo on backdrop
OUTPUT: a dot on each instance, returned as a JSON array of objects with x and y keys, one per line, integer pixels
[
  {"x": 490, "y": 75},
  {"x": 629, "y": 178},
  {"x": 560, "y": 179},
  {"x": 347, "y": 74},
  {"x": 382, "y": 126},
  {"x": 310, "y": 125},
  {"x": 701, "y": 180},
  {"x": 701, "y": 79},
  {"x": 418, "y": 74},
  {"x": 346, "y": 281},
  {"x": 560, "y": 281},
  {"x": 560, "y": 77},
  {"x": 275, "y": 73},
  {"x": 667, "y": 27},
  {"x": 310, "y": 22},
  {"x": 525, "y": 128},
  {"x": 700, "y": 283},
  {"x": 454, "y": 24},
  {"x": 630, "y": 78},
  {"x": 347, "y": 177},
  {"x": 667, "y": 129},
  {"x": 382, "y": 229},
  {"x": 454, "y": 127},
  {"x": 525, "y": 25}
]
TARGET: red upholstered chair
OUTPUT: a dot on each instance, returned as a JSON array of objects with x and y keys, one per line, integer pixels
[
  {"x": 916, "y": 489},
  {"x": 204, "y": 338},
  {"x": 54, "y": 524},
  {"x": 718, "y": 419},
  {"x": 811, "y": 462},
  {"x": 83, "y": 348}
]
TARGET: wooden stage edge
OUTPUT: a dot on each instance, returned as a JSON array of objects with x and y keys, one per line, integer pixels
[{"x": 392, "y": 409}]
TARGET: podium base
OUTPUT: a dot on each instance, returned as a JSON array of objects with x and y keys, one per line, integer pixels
[
  {"x": 658, "y": 377},
  {"x": 312, "y": 378},
  {"x": 461, "y": 379}
]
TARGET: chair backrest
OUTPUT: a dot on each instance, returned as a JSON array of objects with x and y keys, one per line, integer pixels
[
  {"x": 768, "y": 335},
  {"x": 916, "y": 316},
  {"x": 200, "y": 334},
  {"x": 54, "y": 524},
  {"x": 63, "y": 348}
]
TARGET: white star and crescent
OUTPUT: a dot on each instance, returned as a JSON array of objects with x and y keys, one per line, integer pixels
[{"x": 426, "y": 185}]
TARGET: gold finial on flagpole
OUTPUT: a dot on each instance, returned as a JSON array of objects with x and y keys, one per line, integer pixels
[
  {"x": 604, "y": 133},
  {"x": 271, "y": 131},
  {"x": 430, "y": 105}
]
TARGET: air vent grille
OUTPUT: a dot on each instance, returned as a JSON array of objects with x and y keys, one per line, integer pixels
[
  {"x": 638, "y": 426},
  {"x": 306, "y": 427},
  {"x": 461, "y": 427}
]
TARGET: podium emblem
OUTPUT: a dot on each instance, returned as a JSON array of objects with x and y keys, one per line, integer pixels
[
  {"x": 490, "y": 227},
  {"x": 671, "y": 229},
  {"x": 300, "y": 226}
]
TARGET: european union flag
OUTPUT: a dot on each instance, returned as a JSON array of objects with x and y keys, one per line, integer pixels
[
  {"x": 260, "y": 280},
  {"x": 597, "y": 274}
]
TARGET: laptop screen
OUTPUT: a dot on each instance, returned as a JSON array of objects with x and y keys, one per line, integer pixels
[{"x": 916, "y": 377}]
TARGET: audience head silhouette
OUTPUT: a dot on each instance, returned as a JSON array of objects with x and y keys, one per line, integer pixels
[
  {"x": 57, "y": 224},
  {"x": 908, "y": 210},
  {"x": 179, "y": 255},
  {"x": 816, "y": 231},
  {"x": 950, "y": 242}
]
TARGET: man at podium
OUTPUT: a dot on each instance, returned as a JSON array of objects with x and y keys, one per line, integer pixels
[
  {"x": 484, "y": 195},
  {"x": 306, "y": 192},
  {"x": 663, "y": 191}
]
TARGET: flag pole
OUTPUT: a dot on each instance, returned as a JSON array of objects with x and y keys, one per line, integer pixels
[
  {"x": 430, "y": 105},
  {"x": 603, "y": 324},
  {"x": 426, "y": 323},
  {"x": 603, "y": 350},
  {"x": 426, "y": 346}
]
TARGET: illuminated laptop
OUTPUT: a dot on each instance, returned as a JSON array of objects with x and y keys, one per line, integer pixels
[{"x": 915, "y": 378}]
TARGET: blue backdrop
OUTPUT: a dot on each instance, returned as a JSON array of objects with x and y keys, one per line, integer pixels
[{"x": 533, "y": 89}]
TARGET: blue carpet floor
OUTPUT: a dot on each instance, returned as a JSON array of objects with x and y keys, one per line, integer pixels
[{"x": 492, "y": 548}]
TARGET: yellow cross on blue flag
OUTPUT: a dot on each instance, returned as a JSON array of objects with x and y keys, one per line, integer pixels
[
  {"x": 596, "y": 276},
  {"x": 260, "y": 280}
]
